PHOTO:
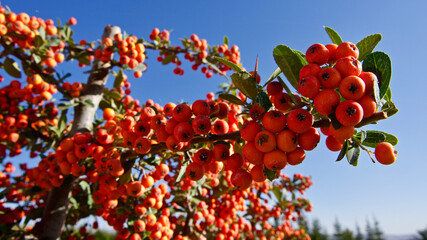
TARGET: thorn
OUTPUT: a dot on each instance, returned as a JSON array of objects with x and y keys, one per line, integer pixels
[{"x": 256, "y": 64}]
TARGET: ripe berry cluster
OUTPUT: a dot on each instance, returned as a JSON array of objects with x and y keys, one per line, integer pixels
[
  {"x": 339, "y": 88},
  {"x": 131, "y": 51}
]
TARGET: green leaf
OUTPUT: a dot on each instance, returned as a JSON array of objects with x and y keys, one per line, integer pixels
[
  {"x": 64, "y": 106},
  {"x": 363, "y": 135},
  {"x": 343, "y": 151},
  {"x": 84, "y": 59},
  {"x": 224, "y": 85},
  {"x": 42, "y": 32},
  {"x": 388, "y": 95},
  {"x": 74, "y": 202},
  {"x": 334, "y": 121},
  {"x": 372, "y": 138},
  {"x": 289, "y": 62},
  {"x": 84, "y": 186},
  {"x": 153, "y": 161},
  {"x": 181, "y": 173},
  {"x": 113, "y": 95},
  {"x": 140, "y": 67},
  {"x": 334, "y": 36},
  {"x": 54, "y": 42},
  {"x": 271, "y": 175},
  {"x": 379, "y": 63},
  {"x": 245, "y": 83},
  {"x": 390, "y": 109},
  {"x": 277, "y": 192},
  {"x": 273, "y": 76},
  {"x": 353, "y": 154},
  {"x": 264, "y": 100},
  {"x": 12, "y": 68},
  {"x": 168, "y": 59},
  {"x": 119, "y": 79},
  {"x": 301, "y": 56},
  {"x": 88, "y": 102},
  {"x": 213, "y": 66},
  {"x": 367, "y": 45},
  {"x": 232, "y": 99},
  {"x": 391, "y": 139},
  {"x": 229, "y": 64},
  {"x": 38, "y": 41},
  {"x": 126, "y": 177},
  {"x": 62, "y": 122},
  {"x": 37, "y": 59},
  {"x": 376, "y": 92}
]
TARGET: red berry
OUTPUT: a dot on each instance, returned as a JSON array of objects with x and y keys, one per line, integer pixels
[
  {"x": 317, "y": 53},
  {"x": 299, "y": 120},
  {"x": 349, "y": 113},
  {"x": 309, "y": 86}
]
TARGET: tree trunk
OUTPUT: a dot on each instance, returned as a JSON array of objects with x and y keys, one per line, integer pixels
[{"x": 58, "y": 199}]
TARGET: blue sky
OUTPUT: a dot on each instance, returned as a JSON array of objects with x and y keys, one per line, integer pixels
[{"x": 395, "y": 195}]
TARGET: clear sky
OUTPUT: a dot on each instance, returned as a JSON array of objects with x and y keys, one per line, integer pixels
[{"x": 395, "y": 195}]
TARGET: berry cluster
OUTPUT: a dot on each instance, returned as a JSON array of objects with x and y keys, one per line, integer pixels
[
  {"x": 131, "y": 51},
  {"x": 340, "y": 88}
]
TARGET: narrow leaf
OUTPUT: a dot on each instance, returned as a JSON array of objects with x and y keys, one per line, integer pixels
[
  {"x": 273, "y": 76},
  {"x": 363, "y": 135},
  {"x": 232, "y": 99},
  {"x": 226, "y": 40},
  {"x": 367, "y": 45},
  {"x": 213, "y": 66},
  {"x": 181, "y": 173},
  {"x": 334, "y": 36},
  {"x": 388, "y": 95},
  {"x": 12, "y": 68},
  {"x": 285, "y": 86},
  {"x": 229, "y": 64},
  {"x": 353, "y": 155},
  {"x": 62, "y": 122},
  {"x": 377, "y": 92},
  {"x": 277, "y": 192},
  {"x": 88, "y": 102},
  {"x": 380, "y": 64},
  {"x": 289, "y": 62},
  {"x": 119, "y": 79},
  {"x": 343, "y": 151},
  {"x": 42, "y": 32}
]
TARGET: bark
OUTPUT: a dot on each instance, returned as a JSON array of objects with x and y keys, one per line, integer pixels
[{"x": 58, "y": 199}]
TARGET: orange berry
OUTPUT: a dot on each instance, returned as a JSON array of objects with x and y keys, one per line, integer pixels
[
  {"x": 385, "y": 153},
  {"x": 275, "y": 160}
]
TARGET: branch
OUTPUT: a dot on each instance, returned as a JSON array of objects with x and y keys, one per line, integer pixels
[
  {"x": 56, "y": 209},
  {"x": 374, "y": 118}
]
